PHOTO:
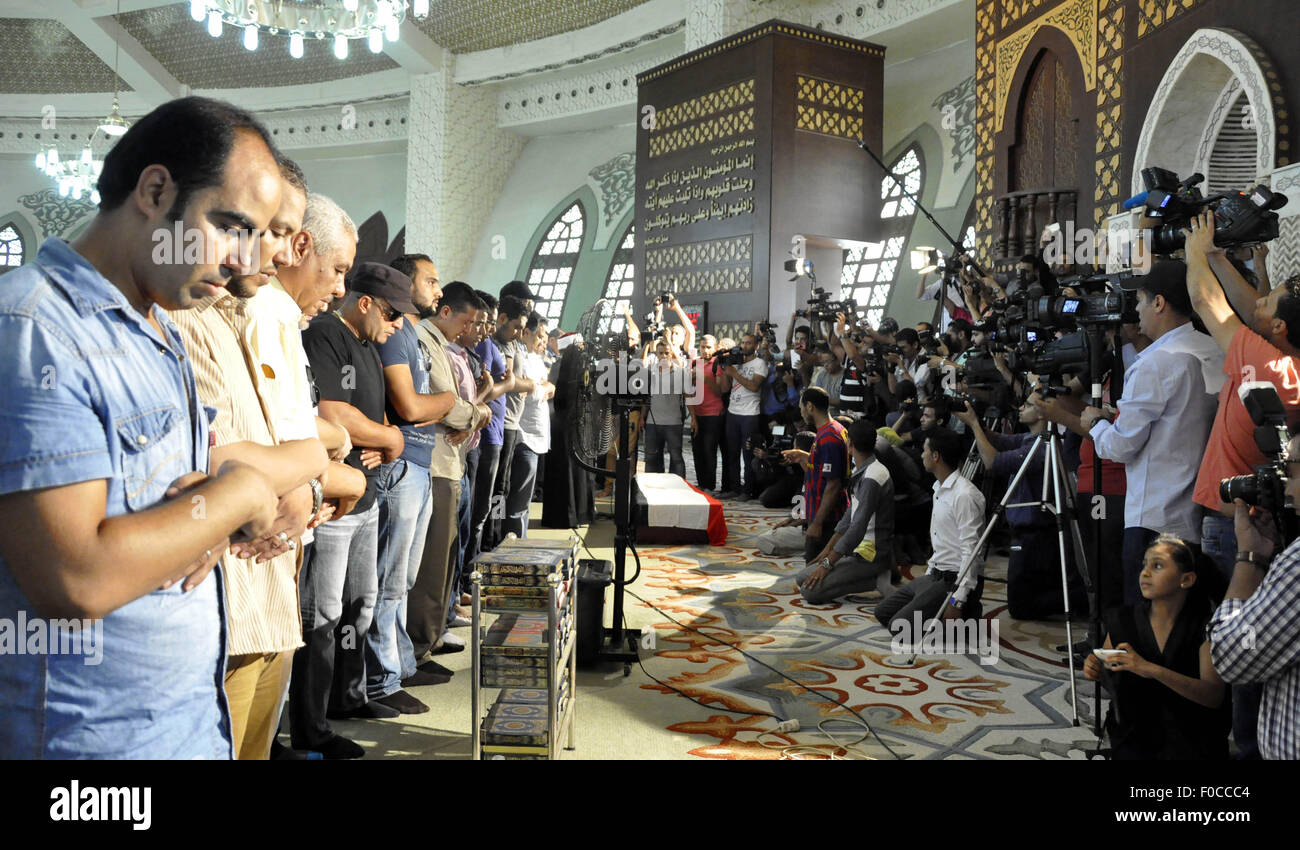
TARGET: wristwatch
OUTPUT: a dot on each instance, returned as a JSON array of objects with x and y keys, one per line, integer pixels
[
  {"x": 826, "y": 564},
  {"x": 1255, "y": 558},
  {"x": 317, "y": 495}
]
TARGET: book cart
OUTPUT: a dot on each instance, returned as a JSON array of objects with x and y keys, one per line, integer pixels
[{"x": 525, "y": 659}]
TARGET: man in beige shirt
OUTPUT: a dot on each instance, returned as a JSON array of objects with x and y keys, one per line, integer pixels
[
  {"x": 261, "y": 590},
  {"x": 429, "y": 598}
]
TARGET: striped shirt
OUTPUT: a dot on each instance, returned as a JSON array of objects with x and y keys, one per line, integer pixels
[
  {"x": 262, "y": 599},
  {"x": 1258, "y": 640},
  {"x": 852, "y": 387},
  {"x": 830, "y": 462}
]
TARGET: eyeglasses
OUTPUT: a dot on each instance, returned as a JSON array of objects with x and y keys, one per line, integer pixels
[{"x": 391, "y": 314}]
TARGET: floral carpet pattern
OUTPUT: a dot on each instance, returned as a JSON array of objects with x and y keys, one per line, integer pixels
[{"x": 931, "y": 705}]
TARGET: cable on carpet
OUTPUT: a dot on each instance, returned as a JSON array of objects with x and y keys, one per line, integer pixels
[{"x": 787, "y": 751}]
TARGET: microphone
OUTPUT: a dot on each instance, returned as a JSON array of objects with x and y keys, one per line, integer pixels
[{"x": 1136, "y": 201}]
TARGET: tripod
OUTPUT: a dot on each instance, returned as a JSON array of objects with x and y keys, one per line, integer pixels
[{"x": 1061, "y": 506}]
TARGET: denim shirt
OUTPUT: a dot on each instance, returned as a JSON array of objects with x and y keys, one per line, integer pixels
[{"x": 92, "y": 392}]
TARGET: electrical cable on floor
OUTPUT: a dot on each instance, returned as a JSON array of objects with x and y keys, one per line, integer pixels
[{"x": 790, "y": 751}]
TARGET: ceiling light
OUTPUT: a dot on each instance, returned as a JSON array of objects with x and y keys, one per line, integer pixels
[
  {"x": 295, "y": 45},
  {"x": 250, "y": 37},
  {"x": 372, "y": 20}
]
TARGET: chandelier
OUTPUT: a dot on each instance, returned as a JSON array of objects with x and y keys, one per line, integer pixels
[
  {"x": 337, "y": 20},
  {"x": 76, "y": 177}
]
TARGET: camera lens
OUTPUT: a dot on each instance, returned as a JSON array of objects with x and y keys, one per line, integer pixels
[{"x": 1244, "y": 487}]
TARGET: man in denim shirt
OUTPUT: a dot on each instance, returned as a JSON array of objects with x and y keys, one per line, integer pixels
[{"x": 107, "y": 512}]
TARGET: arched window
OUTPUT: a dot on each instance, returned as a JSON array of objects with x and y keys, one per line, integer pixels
[
  {"x": 554, "y": 262},
  {"x": 12, "y": 249},
  {"x": 618, "y": 284},
  {"x": 870, "y": 271}
]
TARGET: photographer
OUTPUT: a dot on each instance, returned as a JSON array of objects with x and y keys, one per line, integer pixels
[
  {"x": 1034, "y": 568},
  {"x": 859, "y": 555},
  {"x": 829, "y": 376},
  {"x": 911, "y": 364},
  {"x": 1266, "y": 350},
  {"x": 862, "y": 389},
  {"x": 787, "y": 537},
  {"x": 1255, "y": 634},
  {"x": 744, "y": 417},
  {"x": 797, "y": 340},
  {"x": 1164, "y": 422},
  {"x": 662, "y": 417},
  {"x": 707, "y": 421},
  {"x": 680, "y": 336}
]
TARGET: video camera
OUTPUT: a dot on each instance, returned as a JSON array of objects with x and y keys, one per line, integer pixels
[
  {"x": 1266, "y": 486},
  {"x": 1240, "y": 218},
  {"x": 822, "y": 309}
]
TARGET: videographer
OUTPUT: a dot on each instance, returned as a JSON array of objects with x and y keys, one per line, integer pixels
[
  {"x": 1166, "y": 412},
  {"x": 863, "y": 389},
  {"x": 1255, "y": 634},
  {"x": 744, "y": 416},
  {"x": 1034, "y": 568}
]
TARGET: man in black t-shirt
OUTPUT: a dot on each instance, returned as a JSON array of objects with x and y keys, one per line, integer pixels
[{"x": 338, "y": 583}]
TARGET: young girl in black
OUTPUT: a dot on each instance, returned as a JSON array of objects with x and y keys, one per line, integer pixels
[{"x": 1167, "y": 700}]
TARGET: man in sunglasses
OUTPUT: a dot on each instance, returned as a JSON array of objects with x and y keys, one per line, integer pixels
[{"x": 339, "y": 581}]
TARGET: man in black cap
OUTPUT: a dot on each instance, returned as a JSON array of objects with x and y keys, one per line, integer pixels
[
  {"x": 339, "y": 580},
  {"x": 1164, "y": 419}
]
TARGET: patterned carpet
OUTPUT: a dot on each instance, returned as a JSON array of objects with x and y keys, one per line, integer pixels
[{"x": 924, "y": 706}]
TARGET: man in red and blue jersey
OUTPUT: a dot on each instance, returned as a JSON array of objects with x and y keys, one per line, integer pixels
[{"x": 825, "y": 496}]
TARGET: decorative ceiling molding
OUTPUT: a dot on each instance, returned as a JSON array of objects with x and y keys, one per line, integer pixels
[
  {"x": 958, "y": 108},
  {"x": 328, "y": 125},
  {"x": 621, "y": 47},
  {"x": 55, "y": 215},
  {"x": 574, "y": 94},
  {"x": 616, "y": 180},
  {"x": 463, "y": 26}
]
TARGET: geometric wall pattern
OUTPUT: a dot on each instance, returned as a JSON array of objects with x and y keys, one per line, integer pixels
[
  {"x": 1153, "y": 14},
  {"x": 1110, "y": 190},
  {"x": 719, "y": 115},
  {"x": 715, "y": 265},
  {"x": 828, "y": 108}
]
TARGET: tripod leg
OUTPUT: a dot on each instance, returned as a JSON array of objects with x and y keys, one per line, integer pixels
[{"x": 1060, "y": 483}]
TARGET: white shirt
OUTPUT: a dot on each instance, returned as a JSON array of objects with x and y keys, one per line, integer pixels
[
  {"x": 535, "y": 419},
  {"x": 1187, "y": 340},
  {"x": 746, "y": 402},
  {"x": 955, "y": 524},
  {"x": 275, "y": 344},
  {"x": 1160, "y": 435},
  {"x": 919, "y": 370}
]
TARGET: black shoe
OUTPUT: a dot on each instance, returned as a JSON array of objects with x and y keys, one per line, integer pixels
[
  {"x": 279, "y": 752},
  {"x": 372, "y": 710},
  {"x": 434, "y": 667},
  {"x": 421, "y": 678},
  {"x": 339, "y": 747},
  {"x": 403, "y": 702}
]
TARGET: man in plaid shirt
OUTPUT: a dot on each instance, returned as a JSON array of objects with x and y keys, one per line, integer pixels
[{"x": 1255, "y": 634}]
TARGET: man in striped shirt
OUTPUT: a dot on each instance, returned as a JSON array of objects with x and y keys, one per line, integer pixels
[
  {"x": 825, "y": 496},
  {"x": 1255, "y": 634},
  {"x": 262, "y": 589}
]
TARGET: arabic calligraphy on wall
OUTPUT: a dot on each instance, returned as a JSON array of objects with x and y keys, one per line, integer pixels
[{"x": 711, "y": 191}]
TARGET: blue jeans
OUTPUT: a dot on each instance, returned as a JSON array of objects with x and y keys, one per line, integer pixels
[
  {"x": 1219, "y": 541},
  {"x": 484, "y": 477},
  {"x": 739, "y": 430},
  {"x": 338, "y": 586},
  {"x": 523, "y": 475},
  {"x": 657, "y": 437},
  {"x": 404, "y": 506}
]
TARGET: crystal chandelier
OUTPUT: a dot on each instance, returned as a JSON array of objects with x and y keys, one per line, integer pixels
[
  {"x": 76, "y": 177},
  {"x": 336, "y": 20}
]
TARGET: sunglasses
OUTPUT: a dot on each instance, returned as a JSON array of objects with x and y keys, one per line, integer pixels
[{"x": 391, "y": 314}]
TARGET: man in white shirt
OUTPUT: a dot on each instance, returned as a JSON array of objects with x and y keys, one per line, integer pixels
[
  {"x": 1164, "y": 422},
  {"x": 744, "y": 414},
  {"x": 955, "y": 523},
  {"x": 912, "y": 365}
]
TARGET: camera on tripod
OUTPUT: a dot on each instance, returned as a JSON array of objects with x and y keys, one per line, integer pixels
[
  {"x": 1240, "y": 218},
  {"x": 1266, "y": 486}
]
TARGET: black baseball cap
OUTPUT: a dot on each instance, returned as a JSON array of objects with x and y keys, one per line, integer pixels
[
  {"x": 386, "y": 282},
  {"x": 1167, "y": 278}
]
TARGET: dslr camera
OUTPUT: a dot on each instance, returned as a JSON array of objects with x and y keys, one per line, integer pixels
[{"x": 1266, "y": 486}]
